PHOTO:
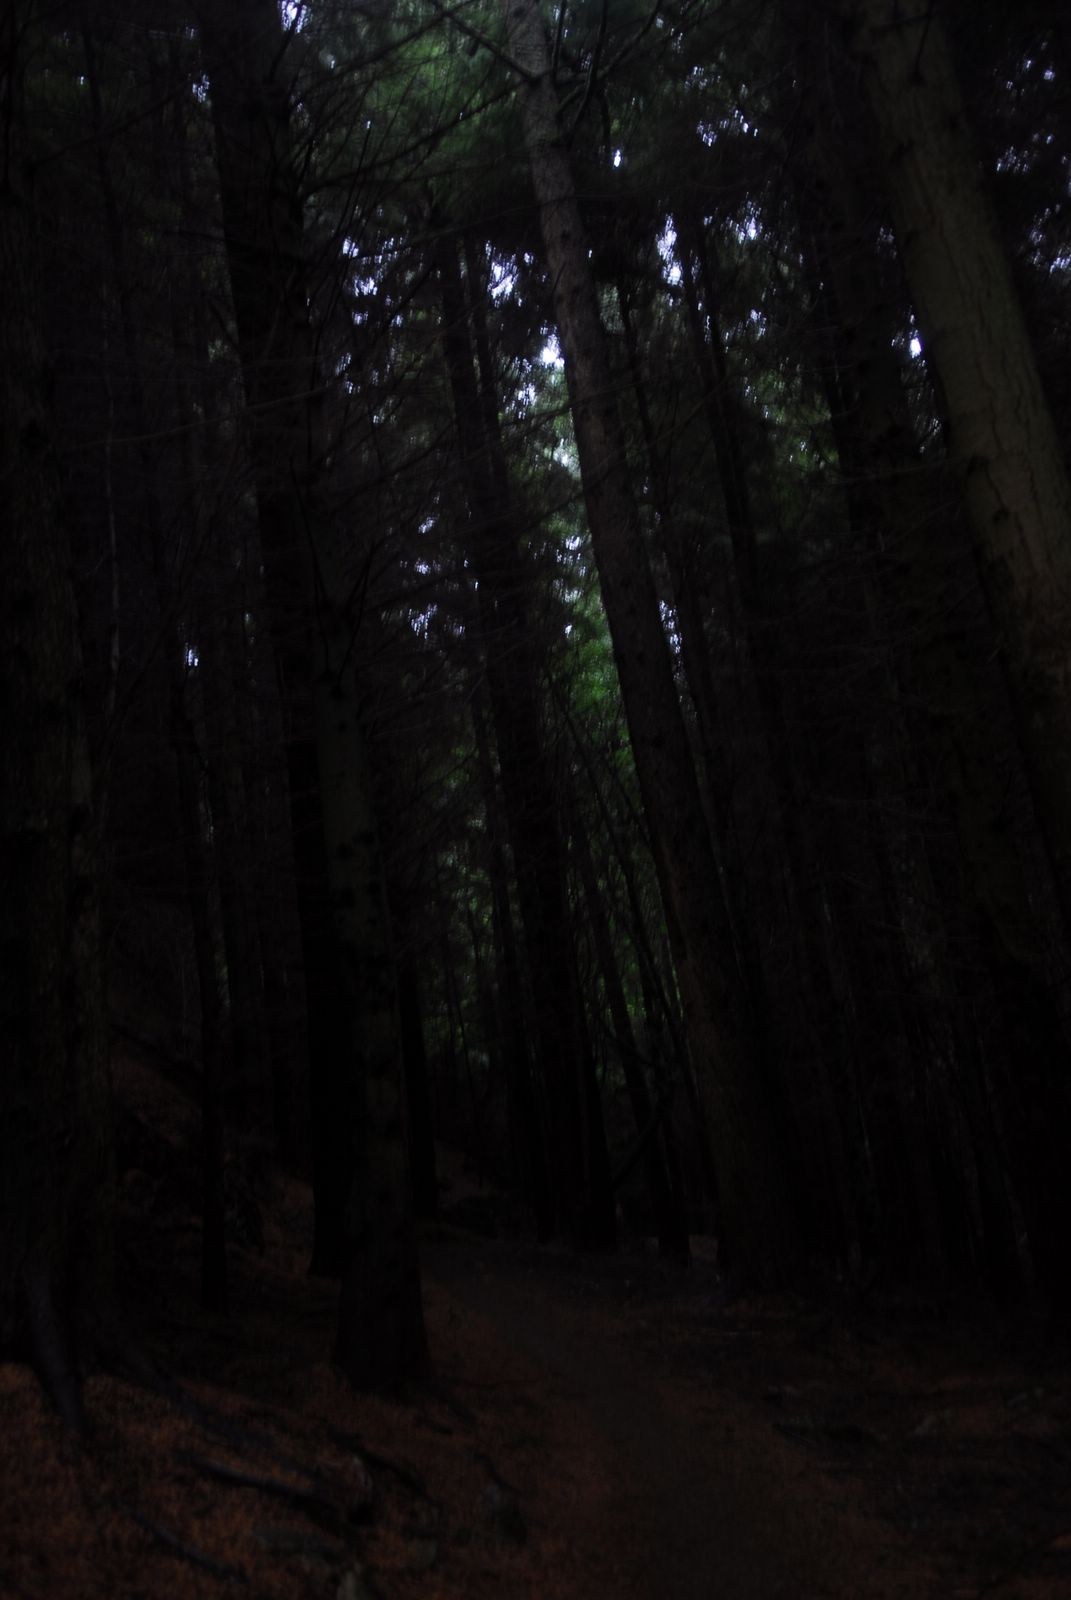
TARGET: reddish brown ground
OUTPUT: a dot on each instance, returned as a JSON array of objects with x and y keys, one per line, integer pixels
[{"x": 596, "y": 1429}]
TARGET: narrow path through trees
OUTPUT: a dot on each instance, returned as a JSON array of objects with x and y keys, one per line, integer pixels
[{"x": 684, "y": 1495}]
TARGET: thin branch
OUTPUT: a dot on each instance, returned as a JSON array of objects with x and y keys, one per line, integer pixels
[
  {"x": 593, "y": 70},
  {"x": 614, "y": 62},
  {"x": 558, "y": 34}
]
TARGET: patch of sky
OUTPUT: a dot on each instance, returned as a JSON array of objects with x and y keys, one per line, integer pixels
[
  {"x": 1017, "y": 161},
  {"x": 420, "y": 621},
  {"x": 503, "y": 279},
  {"x": 550, "y": 356},
  {"x": 749, "y": 228},
  {"x": 666, "y": 244},
  {"x": 669, "y": 623}
]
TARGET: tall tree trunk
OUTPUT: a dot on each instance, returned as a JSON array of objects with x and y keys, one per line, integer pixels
[
  {"x": 581, "y": 1175},
  {"x": 276, "y": 891},
  {"x": 794, "y": 891},
  {"x": 1003, "y": 449},
  {"x": 757, "y": 1217},
  {"x": 819, "y": 1143},
  {"x": 1004, "y": 453},
  {"x": 196, "y": 859},
  {"x": 57, "y": 1192},
  {"x": 365, "y": 1222},
  {"x": 522, "y": 1102},
  {"x": 670, "y": 1220},
  {"x": 945, "y": 702}
]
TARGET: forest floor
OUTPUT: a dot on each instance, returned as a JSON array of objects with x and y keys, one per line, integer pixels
[{"x": 596, "y": 1428}]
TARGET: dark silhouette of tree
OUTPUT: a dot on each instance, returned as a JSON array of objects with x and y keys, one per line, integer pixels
[
  {"x": 56, "y": 1247},
  {"x": 363, "y": 1199}
]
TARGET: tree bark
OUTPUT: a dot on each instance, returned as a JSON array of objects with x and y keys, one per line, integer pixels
[
  {"x": 57, "y": 1191},
  {"x": 195, "y": 853},
  {"x": 522, "y": 1102},
  {"x": 365, "y": 1222},
  {"x": 670, "y": 1221},
  {"x": 1003, "y": 449},
  {"x": 1011, "y": 472}
]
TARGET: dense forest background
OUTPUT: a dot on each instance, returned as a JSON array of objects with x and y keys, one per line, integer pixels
[{"x": 535, "y": 590}]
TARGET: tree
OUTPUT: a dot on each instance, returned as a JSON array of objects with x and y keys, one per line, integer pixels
[
  {"x": 364, "y": 1215},
  {"x": 1003, "y": 449},
  {"x": 577, "y": 1149},
  {"x": 757, "y": 1219},
  {"x": 55, "y": 1114},
  {"x": 1008, "y": 463}
]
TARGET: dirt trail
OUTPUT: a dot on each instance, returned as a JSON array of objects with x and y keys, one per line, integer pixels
[
  {"x": 695, "y": 1502},
  {"x": 601, "y": 1429}
]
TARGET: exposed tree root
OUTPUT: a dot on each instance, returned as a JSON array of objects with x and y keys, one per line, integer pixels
[
  {"x": 327, "y": 1512},
  {"x": 189, "y": 1552},
  {"x": 49, "y": 1345}
]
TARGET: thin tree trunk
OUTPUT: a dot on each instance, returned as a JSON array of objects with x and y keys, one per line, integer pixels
[
  {"x": 669, "y": 1217},
  {"x": 581, "y": 1176},
  {"x": 417, "y": 1089},
  {"x": 525, "y": 1119}
]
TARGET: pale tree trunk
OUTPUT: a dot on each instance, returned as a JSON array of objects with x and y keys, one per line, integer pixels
[
  {"x": 56, "y": 1168},
  {"x": 365, "y": 1222},
  {"x": 1009, "y": 464},
  {"x": 758, "y": 1234},
  {"x": 949, "y": 716},
  {"x": 1003, "y": 448}
]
